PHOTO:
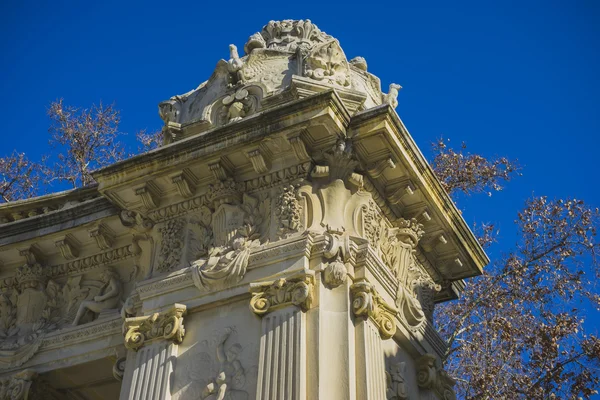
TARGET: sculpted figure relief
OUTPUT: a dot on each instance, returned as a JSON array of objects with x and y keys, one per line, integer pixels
[
  {"x": 109, "y": 297},
  {"x": 37, "y": 305},
  {"x": 231, "y": 377}
]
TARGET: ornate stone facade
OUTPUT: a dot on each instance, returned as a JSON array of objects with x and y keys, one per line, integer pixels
[{"x": 292, "y": 247}]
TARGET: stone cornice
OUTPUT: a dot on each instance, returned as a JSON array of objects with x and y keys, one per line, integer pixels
[
  {"x": 384, "y": 120},
  {"x": 248, "y": 130},
  {"x": 55, "y": 221}
]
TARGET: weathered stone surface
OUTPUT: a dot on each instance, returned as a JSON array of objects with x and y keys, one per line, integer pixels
[{"x": 292, "y": 247}]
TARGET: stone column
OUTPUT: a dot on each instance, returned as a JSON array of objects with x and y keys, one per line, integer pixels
[
  {"x": 375, "y": 323},
  {"x": 282, "y": 364},
  {"x": 153, "y": 341}
]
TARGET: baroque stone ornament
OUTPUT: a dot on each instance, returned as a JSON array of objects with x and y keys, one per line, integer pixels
[
  {"x": 167, "y": 325},
  {"x": 236, "y": 229},
  {"x": 288, "y": 210},
  {"x": 415, "y": 286},
  {"x": 327, "y": 62},
  {"x": 35, "y": 306},
  {"x": 338, "y": 253},
  {"x": 287, "y": 35},
  {"x": 367, "y": 303},
  {"x": 283, "y": 292},
  {"x": 171, "y": 246},
  {"x": 396, "y": 382},
  {"x": 216, "y": 370},
  {"x": 431, "y": 376},
  {"x": 109, "y": 297},
  {"x": 236, "y": 106}
]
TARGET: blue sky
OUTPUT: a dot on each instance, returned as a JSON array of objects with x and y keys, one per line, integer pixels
[{"x": 515, "y": 79}]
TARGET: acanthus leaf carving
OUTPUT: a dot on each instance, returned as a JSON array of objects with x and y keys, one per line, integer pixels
[
  {"x": 167, "y": 325},
  {"x": 283, "y": 292},
  {"x": 367, "y": 303}
]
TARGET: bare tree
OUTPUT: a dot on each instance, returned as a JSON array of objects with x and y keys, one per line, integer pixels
[
  {"x": 519, "y": 331},
  {"x": 470, "y": 173},
  {"x": 85, "y": 139},
  {"x": 149, "y": 141},
  {"x": 19, "y": 177}
]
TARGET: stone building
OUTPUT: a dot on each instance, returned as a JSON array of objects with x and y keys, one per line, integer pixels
[{"x": 288, "y": 241}]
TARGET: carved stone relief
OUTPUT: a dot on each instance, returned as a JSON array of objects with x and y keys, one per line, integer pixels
[
  {"x": 395, "y": 246},
  {"x": 217, "y": 370},
  {"x": 37, "y": 305},
  {"x": 327, "y": 62},
  {"x": 337, "y": 253},
  {"x": 242, "y": 103},
  {"x": 396, "y": 382},
  {"x": 26, "y": 385},
  {"x": 288, "y": 210},
  {"x": 431, "y": 376},
  {"x": 287, "y": 35},
  {"x": 238, "y": 223}
]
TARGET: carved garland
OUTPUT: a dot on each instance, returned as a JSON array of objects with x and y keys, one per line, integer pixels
[
  {"x": 367, "y": 303},
  {"x": 273, "y": 295},
  {"x": 167, "y": 325}
]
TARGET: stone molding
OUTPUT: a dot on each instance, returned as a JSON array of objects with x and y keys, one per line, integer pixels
[
  {"x": 367, "y": 303},
  {"x": 292, "y": 291},
  {"x": 167, "y": 325}
]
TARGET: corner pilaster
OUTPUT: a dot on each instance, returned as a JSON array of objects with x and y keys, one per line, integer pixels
[
  {"x": 282, "y": 361},
  {"x": 153, "y": 341}
]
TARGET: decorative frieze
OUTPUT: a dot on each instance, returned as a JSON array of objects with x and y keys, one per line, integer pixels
[
  {"x": 167, "y": 325},
  {"x": 283, "y": 292},
  {"x": 367, "y": 303}
]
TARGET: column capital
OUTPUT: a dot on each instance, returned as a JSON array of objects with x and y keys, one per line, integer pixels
[
  {"x": 367, "y": 303},
  {"x": 167, "y": 325},
  {"x": 271, "y": 295}
]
